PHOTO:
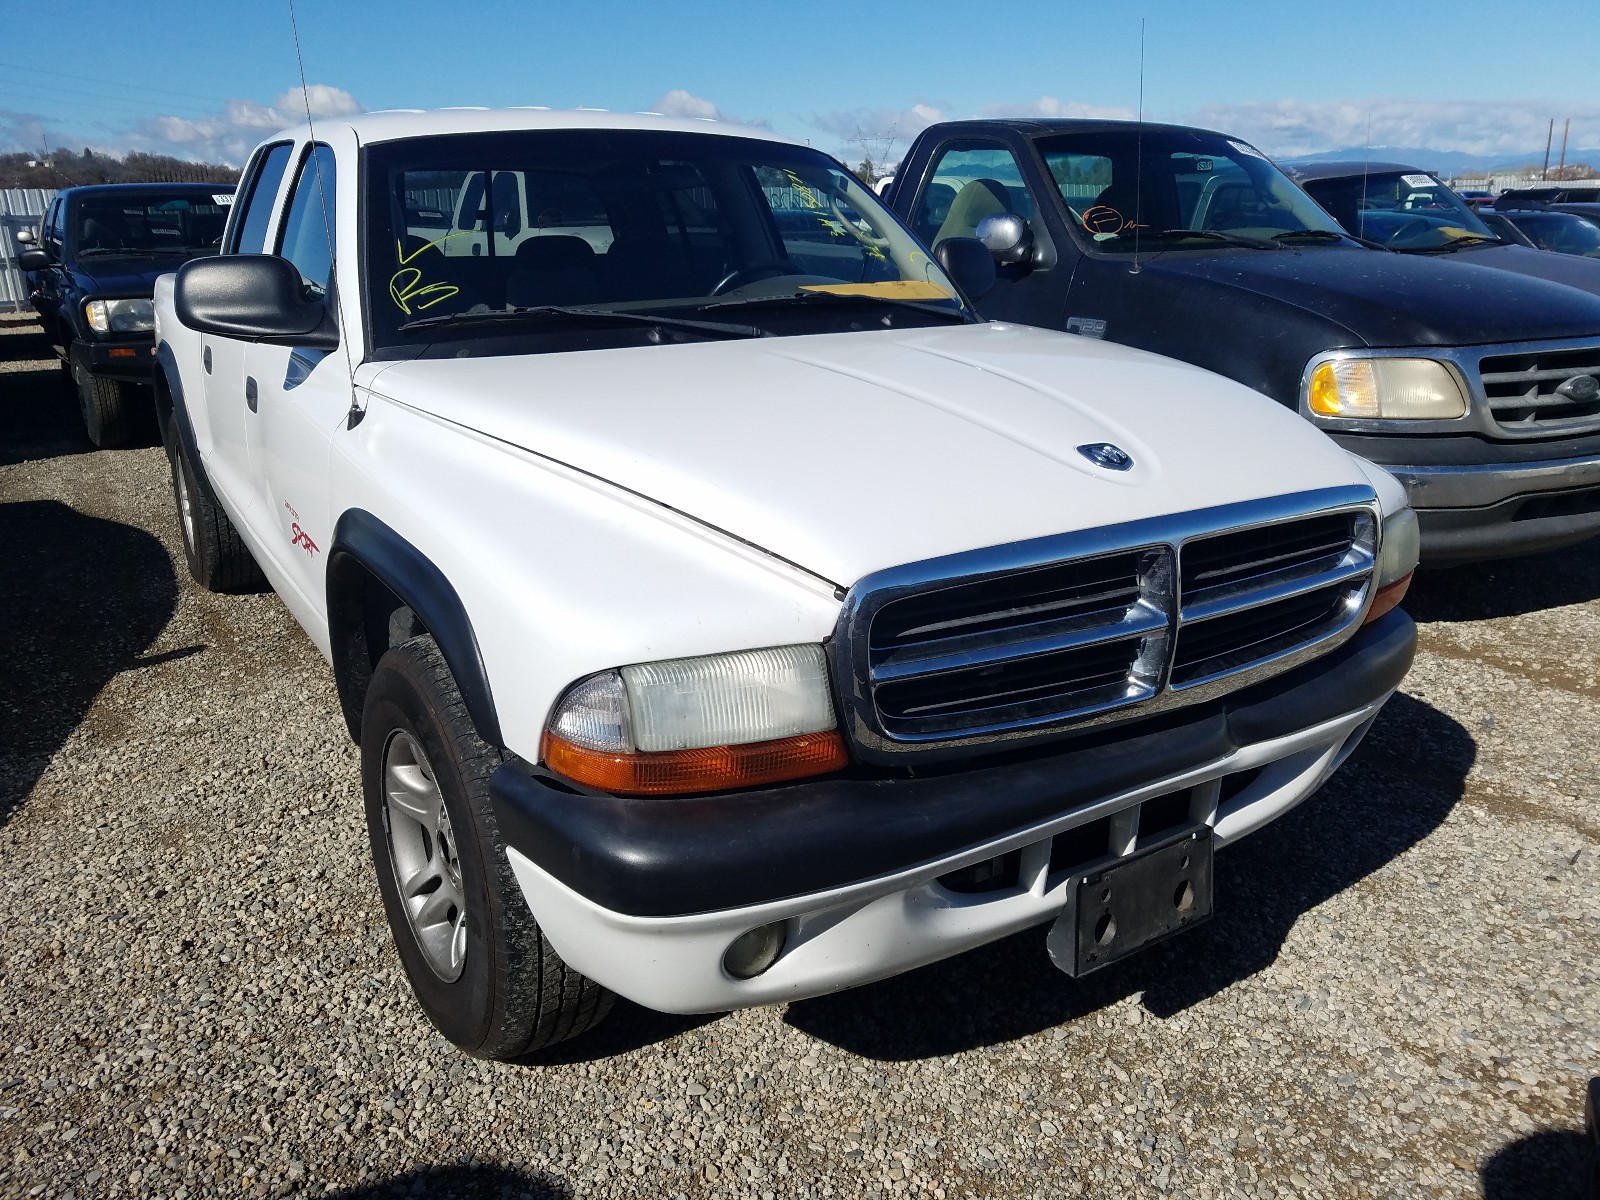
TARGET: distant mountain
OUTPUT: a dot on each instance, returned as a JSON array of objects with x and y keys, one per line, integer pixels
[{"x": 1449, "y": 162}]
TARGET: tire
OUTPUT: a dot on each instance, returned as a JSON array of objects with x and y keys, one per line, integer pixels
[
  {"x": 474, "y": 955},
  {"x": 216, "y": 556},
  {"x": 107, "y": 406}
]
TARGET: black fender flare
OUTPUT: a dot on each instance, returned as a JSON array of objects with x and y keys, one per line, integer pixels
[
  {"x": 361, "y": 542},
  {"x": 172, "y": 379}
]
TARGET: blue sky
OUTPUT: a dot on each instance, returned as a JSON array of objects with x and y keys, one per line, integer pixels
[{"x": 207, "y": 80}]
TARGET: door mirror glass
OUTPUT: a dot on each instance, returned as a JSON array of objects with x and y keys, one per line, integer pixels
[
  {"x": 254, "y": 298},
  {"x": 33, "y": 260},
  {"x": 1008, "y": 238},
  {"x": 968, "y": 262}
]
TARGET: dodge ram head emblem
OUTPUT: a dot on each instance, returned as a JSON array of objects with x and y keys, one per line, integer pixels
[
  {"x": 1580, "y": 389},
  {"x": 1104, "y": 454}
]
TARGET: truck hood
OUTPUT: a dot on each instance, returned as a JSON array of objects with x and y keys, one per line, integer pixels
[
  {"x": 113, "y": 275},
  {"x": 1383, "y": 299},
  {"x": 1570, "y": 269},
  {"x": 846, "y": 453}
]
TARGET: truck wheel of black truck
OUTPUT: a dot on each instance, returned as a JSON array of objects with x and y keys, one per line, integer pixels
[
  {"x": 476, "y": 959},
  {"x": 217, "y": 557},
  {"x": 107, "y": 409}
]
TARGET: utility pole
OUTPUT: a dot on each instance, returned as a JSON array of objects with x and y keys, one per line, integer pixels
[
  {"x": 1548, "y": 138},
  {"x": 1561, "y": 171}
]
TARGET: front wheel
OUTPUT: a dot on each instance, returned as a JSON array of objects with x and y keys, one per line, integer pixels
[
  {"x": 107, "y": 406},
  {"x": 473, "y": 953}
]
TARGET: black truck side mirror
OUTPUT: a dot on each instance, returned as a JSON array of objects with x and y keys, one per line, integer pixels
[
  {"x": 34, "y": 260},
  {"x": 968, "y": 262},
  {"x": 255, "y": 298}
]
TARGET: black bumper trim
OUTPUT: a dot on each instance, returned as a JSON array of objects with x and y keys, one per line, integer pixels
[
  {"x": 1452, "y": 536},
  {"x": 657, "y": 858}
]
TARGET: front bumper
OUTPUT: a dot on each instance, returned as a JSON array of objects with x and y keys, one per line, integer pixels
[
  {"x": 131, "y": 360},
  {"x": 1493, "y": 510},
  {"x": 645, "y": 896}
]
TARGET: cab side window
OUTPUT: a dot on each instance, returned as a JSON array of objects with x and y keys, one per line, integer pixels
[
  {"x": 50, "y": 230},
  {"x": 249, "y": 235},
  {"x": 968, "y": 182},
  {"x": 308, "y": 238}
]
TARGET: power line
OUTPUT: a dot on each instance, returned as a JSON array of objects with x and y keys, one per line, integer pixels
[
  {"x": 138, "y": 87},
  {"x": 29, "y": 85}
]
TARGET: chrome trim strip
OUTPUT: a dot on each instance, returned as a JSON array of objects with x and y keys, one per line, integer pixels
[
  {"x": 1349, "y": 568},
  {"x": 1148, "y": 693}
]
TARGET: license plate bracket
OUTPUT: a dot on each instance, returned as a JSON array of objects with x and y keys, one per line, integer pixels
[{"x": 1129, "y": 904}]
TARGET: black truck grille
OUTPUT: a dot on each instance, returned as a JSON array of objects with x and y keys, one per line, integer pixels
[
  {"x": 1543, "y": 391},
  {"x": 963, "y": 656}
]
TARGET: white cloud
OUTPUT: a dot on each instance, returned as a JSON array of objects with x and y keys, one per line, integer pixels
[
  {"x": 1286, "y": 128},
  {"x": 679, "y": 103},
  {"x": 229, "y": 136},
  {"x": 1049, "y": 106}
]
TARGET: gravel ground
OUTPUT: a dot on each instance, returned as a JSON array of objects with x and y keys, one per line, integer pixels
[{"x": 1399, "y": 995}]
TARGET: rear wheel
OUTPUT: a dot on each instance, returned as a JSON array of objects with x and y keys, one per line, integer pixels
[
  {"x": 217, "y": 558},
  {"x": 475, "y": 957}
]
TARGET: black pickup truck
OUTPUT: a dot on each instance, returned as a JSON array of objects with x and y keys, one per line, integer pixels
[
  {"x": 98, "y": 253},
  {"x": 1478, "y": 388}
]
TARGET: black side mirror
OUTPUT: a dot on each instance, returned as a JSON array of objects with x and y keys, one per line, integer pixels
[
  {"x": 34, "y": 260},
  {"x": 255, "y": 298},
  {"x": 1008, "y": 238},
  {"x": 969, "y": 263}
]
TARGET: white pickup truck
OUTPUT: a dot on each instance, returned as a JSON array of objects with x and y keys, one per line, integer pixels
[{"x": 728, "y": 615}]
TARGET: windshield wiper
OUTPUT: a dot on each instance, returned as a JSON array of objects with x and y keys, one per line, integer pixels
[
  {"x": 1326, "y": 235},
  {"x": 599, "y": 316},
  {"x": 1468, "y": 239},
  {"x": 125, "y": 251},
  {"x": 797, "y": 299},
  {"x": 1209, "y": 235}
]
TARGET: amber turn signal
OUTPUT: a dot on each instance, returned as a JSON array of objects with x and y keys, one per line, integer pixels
[
  {"x": 713, "y": 769},
  {"x": 1387, "y": 598}
]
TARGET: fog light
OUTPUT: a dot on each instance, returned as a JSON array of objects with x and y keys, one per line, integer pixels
[{"x": 753, "y": 952}]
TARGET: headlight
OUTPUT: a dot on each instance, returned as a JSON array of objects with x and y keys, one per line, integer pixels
[
  {"x": 1402, "y": 389},
  {"x": 1397, "y": 559},
  {"x": 120, "y": 316},
  {"x": 698, "y": 724}
]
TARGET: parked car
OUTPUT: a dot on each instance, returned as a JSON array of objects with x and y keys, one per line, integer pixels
[
  {"x": 1548, "y": 229},
  {"x": 99, "y": 250},
  {"x": 732, "y": 616},
  {"x": 1412, "y": 212},
  {"x": 1503, "y": 228},
  {"x": 1471, "y": 384}
]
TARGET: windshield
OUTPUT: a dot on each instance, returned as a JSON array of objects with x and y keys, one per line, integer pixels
[
  {"x": 1560, "y": 232},
  {"x": 1181, "y": 189},
  {"x": 1399, "y": 210},
  {"x": 539, "y": 241},
  {"x": 149, "y": 223}
]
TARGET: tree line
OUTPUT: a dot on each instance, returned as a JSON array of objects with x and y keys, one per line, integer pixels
[{"x": 66, "y": 168}]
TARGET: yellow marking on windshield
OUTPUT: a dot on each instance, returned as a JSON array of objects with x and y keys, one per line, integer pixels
[
  {"x": 898, "y": 289},
  {"x": 406, "y": 286}
]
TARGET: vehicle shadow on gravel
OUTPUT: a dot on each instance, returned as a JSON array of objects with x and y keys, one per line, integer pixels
[
  {"x": 1396, "y": 789},
  {"x": 1508, "y": 587},
  {"x": 468, "y": 1182},
  {"x": 1554, "y": 1165},
  {"x": 80, "y": 599}
]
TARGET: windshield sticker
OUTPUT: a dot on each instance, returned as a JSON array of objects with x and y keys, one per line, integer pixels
[
  {"x": 898, "y": 289},
  {"x": 406, "y": 287},
  {"x": 1417, "y": 181},
  {"x": 1246, "y": 149},
  {"x": 223, "y": 198}
]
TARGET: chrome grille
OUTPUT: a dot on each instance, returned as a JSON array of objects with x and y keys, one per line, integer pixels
[
  {"x": 1542, "y": 391},
  {"x": 1027, "y": 639}
]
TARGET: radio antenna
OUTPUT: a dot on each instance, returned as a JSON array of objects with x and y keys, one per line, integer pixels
[
  {"x": 1138, "y": 158},
  {"x": 353, "y": 418}
]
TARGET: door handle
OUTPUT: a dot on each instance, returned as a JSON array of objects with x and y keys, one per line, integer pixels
[
  {"x": 205, "y": 360},
  {"x": 250, "y": 397}
]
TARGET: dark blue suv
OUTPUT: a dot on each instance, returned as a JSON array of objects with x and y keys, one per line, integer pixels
[{"x": 94, "y": 268}]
